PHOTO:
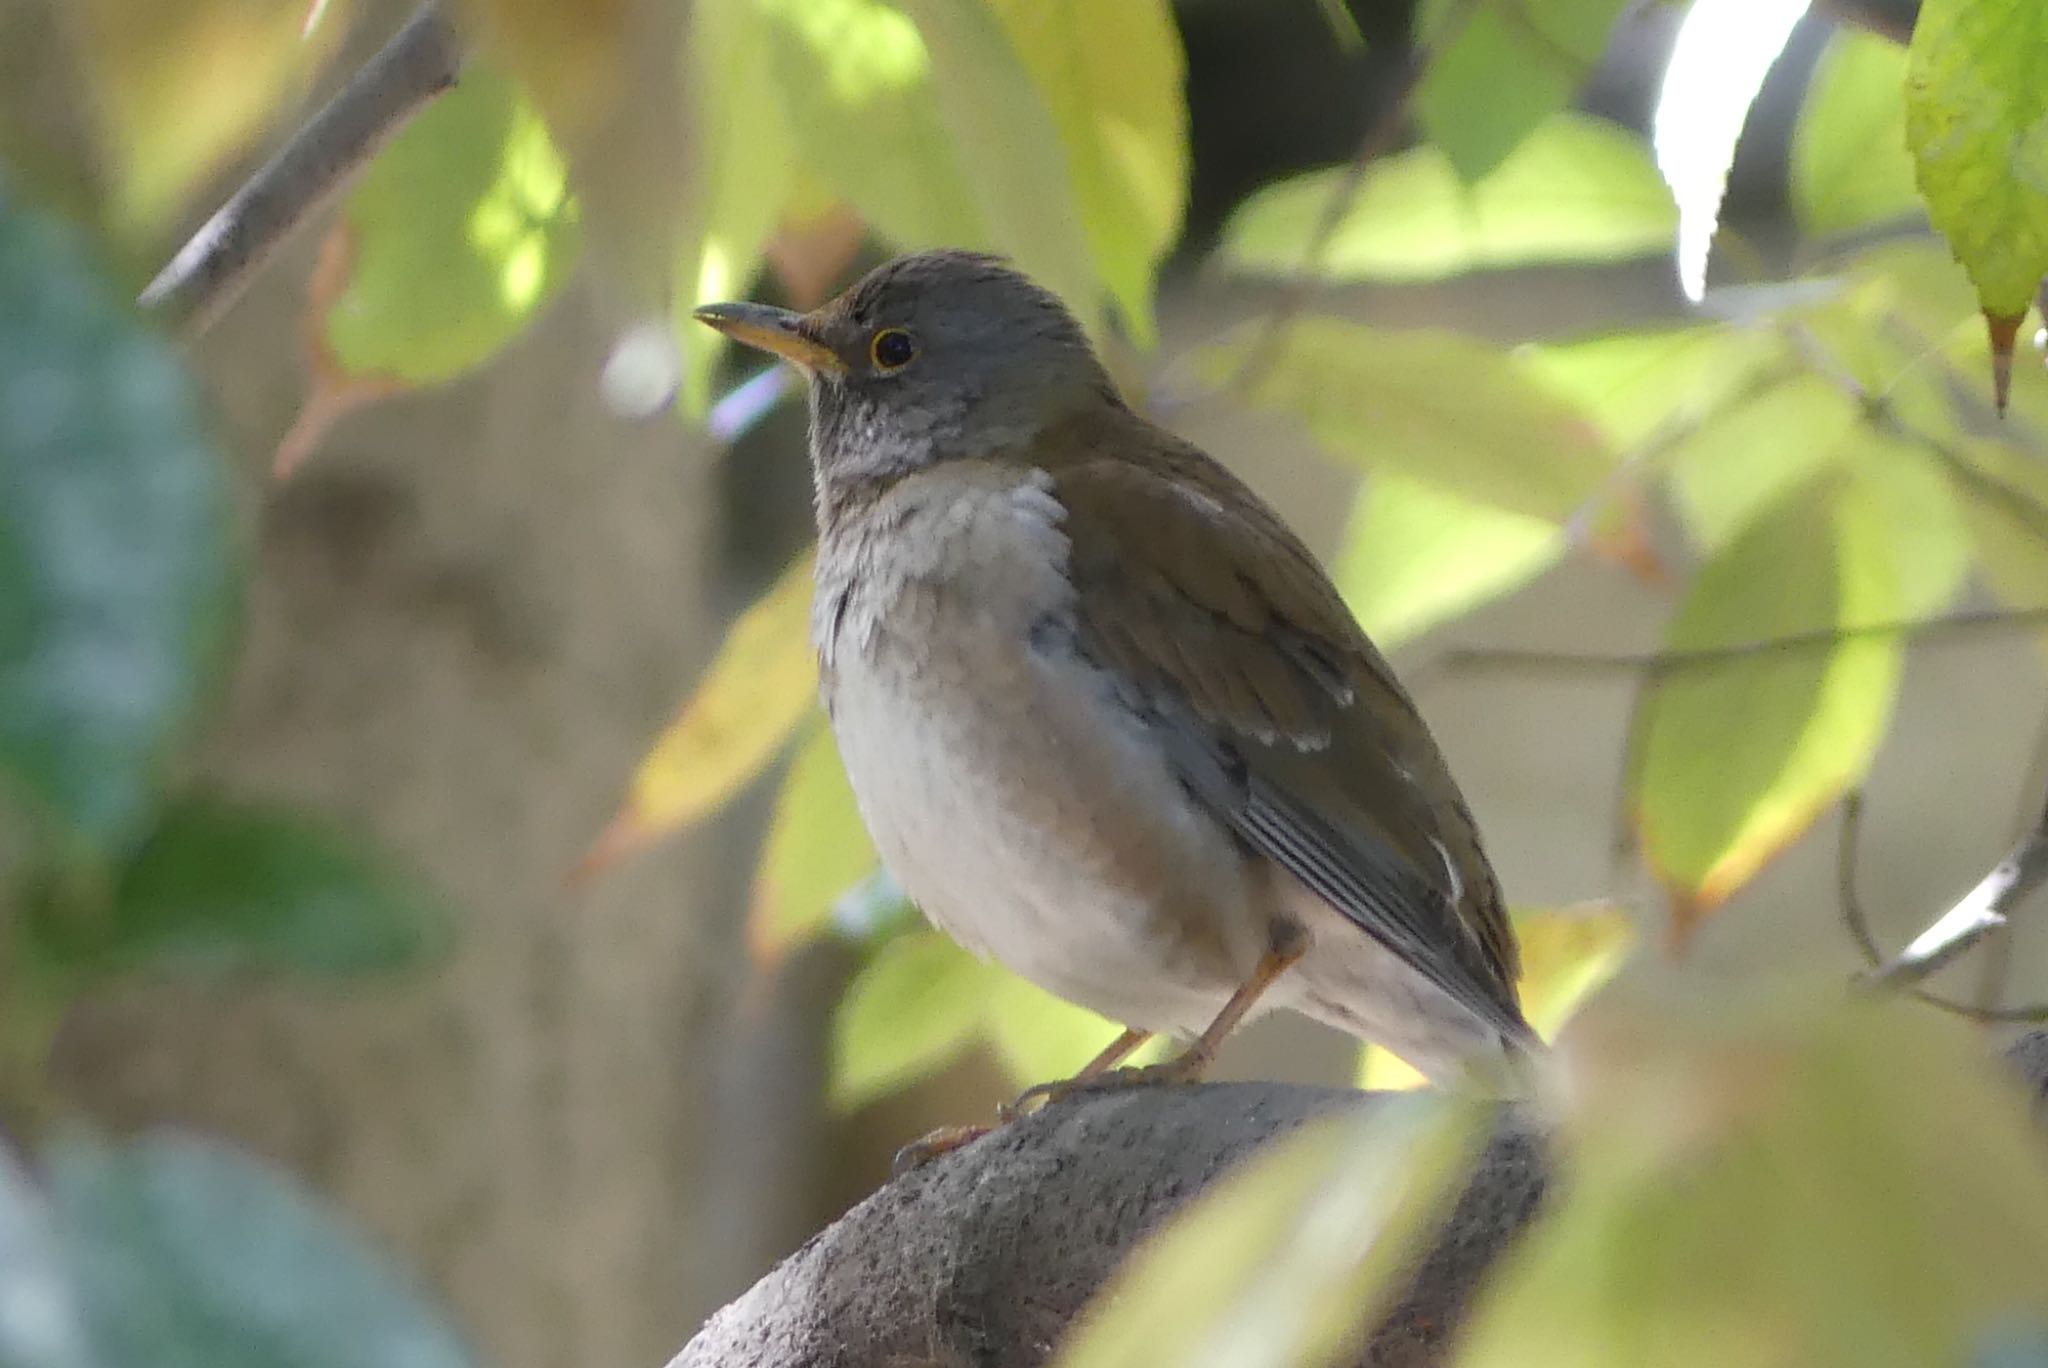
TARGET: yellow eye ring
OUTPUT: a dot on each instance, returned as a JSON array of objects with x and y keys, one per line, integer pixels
[{"x": 892, "y": 349}]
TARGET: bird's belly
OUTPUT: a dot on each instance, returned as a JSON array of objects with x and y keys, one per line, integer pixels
[{"x": 1035, "y": 822}]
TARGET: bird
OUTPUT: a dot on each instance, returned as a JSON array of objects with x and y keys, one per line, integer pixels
[{"x": 1106, "y": 718}]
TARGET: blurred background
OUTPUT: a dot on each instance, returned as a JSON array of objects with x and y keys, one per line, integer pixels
[{"x": 496, "y": 571}]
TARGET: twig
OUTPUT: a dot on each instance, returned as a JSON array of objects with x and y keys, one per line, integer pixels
[
  {"x": 1976, "y": 915},
  {"x": 208, "y": 273}
]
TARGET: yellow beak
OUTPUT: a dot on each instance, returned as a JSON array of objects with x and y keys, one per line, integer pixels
[{"x": 772, "y": 330}]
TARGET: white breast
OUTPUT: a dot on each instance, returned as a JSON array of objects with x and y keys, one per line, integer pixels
[{"x": 1028, "y": 814}]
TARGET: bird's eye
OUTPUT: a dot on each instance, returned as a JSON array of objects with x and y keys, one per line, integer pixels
[{"x": 892, "y": 349}]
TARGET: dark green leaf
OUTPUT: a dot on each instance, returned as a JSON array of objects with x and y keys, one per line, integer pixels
[
  {"x": 186, "y": 1254},
  {"x": 221, "y": 887},
  {"x": 116, "y": 578}
]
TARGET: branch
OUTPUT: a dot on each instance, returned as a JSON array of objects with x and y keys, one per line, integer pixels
[
  {"x": 208, "y": 273},
  {"x": 1980, "y": 911}
]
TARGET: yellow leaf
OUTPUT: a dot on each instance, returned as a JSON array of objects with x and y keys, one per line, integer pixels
[
  {"x": 817, "y": 850},
  {"x": 760, "y": 686}
]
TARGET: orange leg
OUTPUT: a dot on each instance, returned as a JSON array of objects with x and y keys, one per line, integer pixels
[
  {"x": 949, "y": 1138},
  {"x": 1194, "y": 1061}
]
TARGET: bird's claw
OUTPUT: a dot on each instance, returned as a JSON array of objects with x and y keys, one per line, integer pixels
[
  {"x": 1184, "y": 1068},
  {"x": 944, "y": 1140}
]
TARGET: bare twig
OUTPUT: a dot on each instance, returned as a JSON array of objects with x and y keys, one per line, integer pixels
[
  {"x": 1979, "y": 911},
  {"x": 208, "y": 272}
]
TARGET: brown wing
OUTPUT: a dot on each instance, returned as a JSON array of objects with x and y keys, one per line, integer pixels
[{"x": 1276, "y": 709}]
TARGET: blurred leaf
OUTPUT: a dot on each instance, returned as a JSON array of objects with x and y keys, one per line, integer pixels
[
  {"x": 172, "y": 114},
  {"x": 2007, "y": 517},
  {"x": 1567, "y": 954},
  {"x": 1976, "y": 105},
  {"x": 1635, "y": 386},
  {"x": 757, "y": 692},
  {"x": 1285, "y": 1263},
  {"x": 1500, "y": 69},
  {"x": 1415, "y": 556},
  {"x": 1751, "y": 455},
  {"x": 817, "y": 851},
  {"x": 1850, "y": 167},
  {"x": 40, "y": 1321},
  {"x": 1577, "y": 189},
  {"x": 1739, "y": 755},
  {"x": 1724, "y": 50},
  {"x": 1434, "y": 406},
  {"x": 575, "y": 60},
  {"x": 116, "y": 579},
  {"x": 1112, "y": 76},
  {"x": 1005, "y": 138},
  {"x": 1851, "y": 1185},
  {"x": 743, "y": 178},
  {"x": 456, "y": 236},
  {"x": 186, "y": 1254},
  {"x": 223, "y": 887},
  {"x": 1039, "y": 1038},
  {"x": 916, "y": 1006}
]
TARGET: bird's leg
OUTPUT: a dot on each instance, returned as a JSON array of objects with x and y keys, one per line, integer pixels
[
  {"x": 948, "y": 1138},
  {"x": 1112, "y": 1055}
]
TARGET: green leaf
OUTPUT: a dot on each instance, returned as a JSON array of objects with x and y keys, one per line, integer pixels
[
  {"x": 1577, "y": 189},
  {"x": 116, "y": 577},
  {"x": 1636, "y": 386},
  {"x": 41, "y": 1325},
  {"x": 742, "y": 180},
  {"x": 1039, "y": 1038},
  {"x": 1850, "y": 167},
  {"x": 817, "y": 851},
  {"x": 1112, "y": 76},
  {"x": 1433, "y": 406},
  {"x": 917, "y": 1005},
  {"x": 2007, "y": 516},
  {"x": 1752, "y": 454},
  {"x": 1006, "y": 140},
  {"x": 1845, "y": 1184},
  {"x": 1415, "y": 556},
  {"x": 1500, "y": 69},
  {"x": 187, "y": 1254},
  {"x": 456, "y": 236},
  {"x": 1724, "y": 50},
  {"x": 221, "y": 887},
  {"x": 1977, "y": 122},
  {"x": 1286, "y": 1262},
  {"x": 1741, "y": 754}
]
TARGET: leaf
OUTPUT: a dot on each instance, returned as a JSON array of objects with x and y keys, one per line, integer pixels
[
  {"x": 1637, "y": 386},
  {"x": 1111, "y": 76},
  {"x": 1498, "y": 70},
  {"x": 1433, "y": 406},
  {"x": 744, "y": 175},
  {"x": 1285, "y": 1263},
  {"x": 817, "y": 851},
  {"x": 1724, "y": 50},
  {"x": 1977, "y": 123},
  {"x": 187, "y": 1254},
  {"x": 1414, "y": 556},
  {"x": 1005, "y": 139},
  {"x": 1850, "y": 168},
  {"x": 1751, "y": 455},
  {"x": 116, "y": 579},
  {"x": 916, "y": 1006},
  {"x": 1039, "y": 1038},
  {"x": 1740, "y": 755},
  {"x": 40, "y": 1321},
  {"x": 1847, "y": 1183},
  {"x": 457, "y": 235},
  {"x": 221, "y": 887},
  {"x": 1577, "y": 189},
  {"x": 761, "y": 685},
  {"x": 169, "y": 117},
  {"x": 2007, "y": 517}
]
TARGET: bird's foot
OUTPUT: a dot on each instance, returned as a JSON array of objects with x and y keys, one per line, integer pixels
[
  {"x": 1185, "y": 1067},
  {"x": 944, "y": 1140}
]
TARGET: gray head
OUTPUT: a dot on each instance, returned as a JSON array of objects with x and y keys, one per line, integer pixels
[{"x": 931, "y": 357}]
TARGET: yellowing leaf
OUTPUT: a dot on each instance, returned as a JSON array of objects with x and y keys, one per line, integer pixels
[
  {"x": 456, "y": 235},
  {"x": 1635, "y": 385},
  {"x": 1748, "y": 457},
  {"x": 1850, "y": 167},
  {"x": 1498, "y": 70},
  {"x": 1111, "y": 75},
  {"x": 1433, "y": 406},
  {"x": 1285, "y": 1263},
  {"x": 1724, "y": 50},
  {"x": 1577, "y": 189},
  {"x": 1847, "y": 1184},
  {"x": 1740, "y": 755},
  {"x": 1415, "y": 556},
  {"x": 183, "y": 87},
  {"x": 917, "y": 1005},
  {"x": 816, "y": 852},
  {"x": 759, "y": 689}
]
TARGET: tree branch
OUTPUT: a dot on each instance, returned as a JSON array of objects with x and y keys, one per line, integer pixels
[
  {"x": 1978, "y": 913},
  {"x": 208, "y": 273}
]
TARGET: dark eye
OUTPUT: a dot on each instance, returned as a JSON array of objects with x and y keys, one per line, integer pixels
[{"x": 892, "y": 349}]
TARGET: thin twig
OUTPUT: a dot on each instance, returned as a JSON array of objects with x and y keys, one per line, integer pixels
[
  {"x": 1979, "y": 912},
  {"x": 208, "y": 273}
]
